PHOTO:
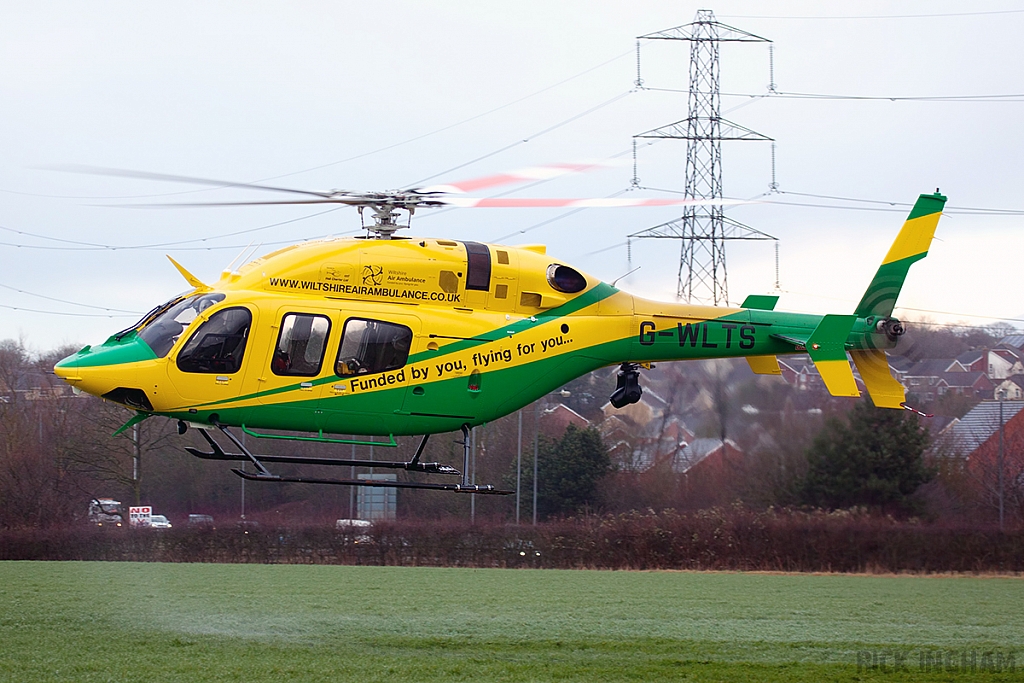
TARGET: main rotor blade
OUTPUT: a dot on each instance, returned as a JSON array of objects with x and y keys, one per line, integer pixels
[
  {"x": 351, "y": 201},
  {"x": 146, "y": 175},
  {"x": 522, "y": 175},
  {"x": 605, "y": 203}
]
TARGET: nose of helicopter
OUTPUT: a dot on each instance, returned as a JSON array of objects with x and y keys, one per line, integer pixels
[{"x": 99, "y": 370}]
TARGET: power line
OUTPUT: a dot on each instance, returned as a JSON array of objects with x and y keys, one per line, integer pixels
[
  {"x": 949, "y": 210},
  {"x": 878, "y": 16},
  {"x": 351, "y": 158},
  {"x": 908, "y": 308},
  {"x": 965, "y": 315},
  {"x": 74, "y": 315},
  {"x": 1001, "y": 97},
  {"x": 1006, "y": 97},
  {"x": 527, "y": 139},
  {"x": 464, "y": 121},
  {"x": 63, "y": 301},
  {"x": 92, "y": 246}
]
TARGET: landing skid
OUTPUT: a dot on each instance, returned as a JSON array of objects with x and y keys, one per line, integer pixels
[{"x": 413, "y": 465}]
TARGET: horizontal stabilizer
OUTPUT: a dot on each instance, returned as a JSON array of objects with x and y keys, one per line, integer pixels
[
  {"x": 798, "y": 342},
  {"x": 764, "y": 365},
  {"x": 827, "y": 348},
  {"x": 873, "y": 366},
  {"x": 762, "y": 302}
]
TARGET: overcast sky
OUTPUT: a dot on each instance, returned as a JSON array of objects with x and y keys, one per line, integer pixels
[{"x": 370, "y": 96}]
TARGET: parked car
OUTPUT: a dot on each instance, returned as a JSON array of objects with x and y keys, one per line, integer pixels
[
  {"x": 200, "y": 522},
  {"x": 159, "y": 522}
]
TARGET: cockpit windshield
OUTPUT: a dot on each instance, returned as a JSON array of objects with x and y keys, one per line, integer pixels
[{"x": 164, "y": 328}]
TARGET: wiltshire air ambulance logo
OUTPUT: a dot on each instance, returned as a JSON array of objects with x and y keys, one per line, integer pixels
[{"x": 373, "y": 275}]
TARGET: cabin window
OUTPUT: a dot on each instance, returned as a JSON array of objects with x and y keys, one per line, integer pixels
[
  {"x": 217, "y": 346},
  {"x": 162, "y": 327},
  {"x": 369, "y": 346},
  {"x": 300, "y": 345}
]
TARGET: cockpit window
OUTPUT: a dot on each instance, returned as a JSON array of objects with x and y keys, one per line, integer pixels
[
  {"x": 164, "y": 327},
  {"x": 218, "y": 344},
  {"x": 369, "y": 346}
]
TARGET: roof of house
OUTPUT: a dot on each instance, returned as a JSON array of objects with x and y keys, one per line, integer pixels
[
  {"x": 937, "y": 424},
  {"x": 934, "y": 367},
  {"x": 978, "y": 425},
  {"x": 964, "y": 379},
  {"x": 970, "y": 357},
  {"x": 798, "y": 363},
  {"x": 556, "y": 420},
  {"x": 1014, "y": 340},
  {"x": 1010, "y": 353},
  {"x": 694, "y": 452},
  {"x": 901, "y": 363},
  {"x": 698, "y": 450}
]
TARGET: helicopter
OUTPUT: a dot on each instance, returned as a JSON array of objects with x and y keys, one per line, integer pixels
[{"x": 387, "y": 335}]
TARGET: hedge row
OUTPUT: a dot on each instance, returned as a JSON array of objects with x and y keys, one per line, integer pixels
[{"x": 712, "y": 539}]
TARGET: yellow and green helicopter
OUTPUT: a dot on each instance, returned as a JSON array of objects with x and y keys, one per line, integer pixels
[{"x": 385, "y": 335}]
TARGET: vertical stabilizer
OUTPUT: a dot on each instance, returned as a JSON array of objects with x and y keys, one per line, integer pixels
[{"x": 911, "y": 245}]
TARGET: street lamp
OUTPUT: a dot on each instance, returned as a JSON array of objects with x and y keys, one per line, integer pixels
[{"x": 1000, "y": 396}]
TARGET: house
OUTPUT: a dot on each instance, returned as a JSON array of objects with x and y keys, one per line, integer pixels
[
  {"x": 649, "y": 407},
  {"x": 711, "y": 469},
  {"x": 33, "y": 386},
  {"x": 799, "y": 372},
  {"x": 986, "y": 447},
  {"x": 1010, "y": 389},
  {"x": 980, "y": 427},
  {"x": 554, "y": 421},
  {"x": 1005, "y": 362},
  {"x": 970, "y": 384},
  {"x": 636, "y": 447},
  {"x": 924, "y": 377},
  {"x": 997, "y": 363},
  {"x": 707, "y": 453}
]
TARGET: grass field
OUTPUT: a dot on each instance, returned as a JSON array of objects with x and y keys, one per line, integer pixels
[{"x": 186, "y": 622}]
